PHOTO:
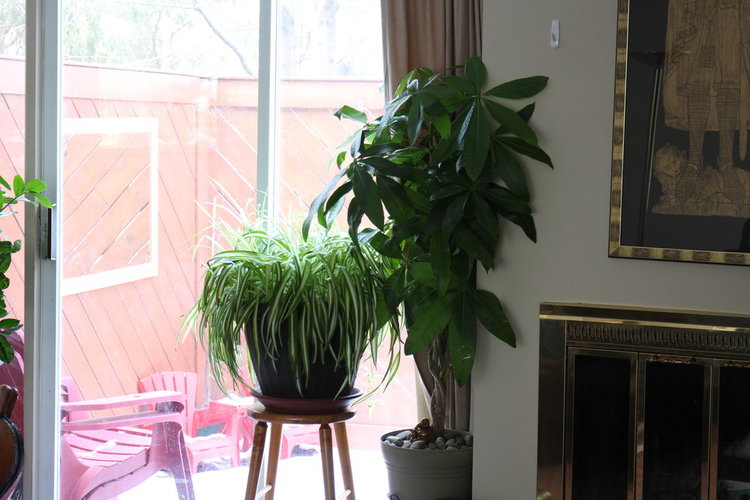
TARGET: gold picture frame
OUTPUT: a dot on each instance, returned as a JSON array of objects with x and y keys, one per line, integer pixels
[{"x": 680, "y": 155}]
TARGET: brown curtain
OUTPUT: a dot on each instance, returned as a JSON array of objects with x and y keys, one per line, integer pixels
[{"x": 436, "y": 34}]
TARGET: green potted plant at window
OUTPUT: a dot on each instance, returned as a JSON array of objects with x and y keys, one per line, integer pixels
[
  {"x": 20, "y": 191},
  {"x": 308, "y": 310},
  {"x": 432, "y": 175}
]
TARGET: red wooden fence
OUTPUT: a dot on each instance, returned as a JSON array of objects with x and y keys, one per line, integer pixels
[{"x": 115, "y": 334}]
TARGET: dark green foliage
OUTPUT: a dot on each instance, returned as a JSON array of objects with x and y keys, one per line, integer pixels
[
  {"x": 433, "y": 174},
  {"x": 30, "y": 192}
]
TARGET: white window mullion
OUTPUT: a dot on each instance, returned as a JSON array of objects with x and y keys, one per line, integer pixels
[
  {"x": 267, "y": 107},
  {"x": 42, "y": 273}
]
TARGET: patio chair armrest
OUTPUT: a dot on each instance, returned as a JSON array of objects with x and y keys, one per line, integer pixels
[
  {"x": 144, "y": 398},
  {"x": 133, "y": 419}
]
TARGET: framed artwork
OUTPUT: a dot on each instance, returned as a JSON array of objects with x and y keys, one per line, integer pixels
[{"x": 681, "y": 159}]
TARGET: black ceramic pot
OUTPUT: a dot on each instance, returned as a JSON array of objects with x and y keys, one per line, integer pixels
[{"x": 276, "y": 377}]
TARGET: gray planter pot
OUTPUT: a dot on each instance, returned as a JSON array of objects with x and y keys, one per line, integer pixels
[{"x": 427, "y": 474}]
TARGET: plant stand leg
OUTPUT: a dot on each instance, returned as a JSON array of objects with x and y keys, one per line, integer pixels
[
  {"x": 342, "y": 444},
  {"x": 256, "y": 457},
  {"x": 273, "y": 458},
  {"x": 326, "y": 455}
]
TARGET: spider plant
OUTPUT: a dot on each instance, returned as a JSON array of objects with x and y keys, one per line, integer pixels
[{"x": 312, "y": 302}]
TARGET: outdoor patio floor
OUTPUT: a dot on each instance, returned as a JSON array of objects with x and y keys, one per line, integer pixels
[{"x": 299, "y": 478}]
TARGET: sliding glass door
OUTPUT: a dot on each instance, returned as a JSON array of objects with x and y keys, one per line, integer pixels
[{"x": 153, "y": 124}]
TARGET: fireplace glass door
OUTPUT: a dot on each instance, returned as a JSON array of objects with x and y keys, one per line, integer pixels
[
  {"x": 732, "y": 469},
  {"x": 673, "y": 413}
]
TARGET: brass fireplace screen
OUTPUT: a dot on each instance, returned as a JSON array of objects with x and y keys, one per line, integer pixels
[{"x": 639, "y": 404}]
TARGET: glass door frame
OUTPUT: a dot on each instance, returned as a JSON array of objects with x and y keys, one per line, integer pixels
[{"x": 42, "y": 282}]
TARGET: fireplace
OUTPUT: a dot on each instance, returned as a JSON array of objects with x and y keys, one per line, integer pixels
[{"x": 642, "y": 404}]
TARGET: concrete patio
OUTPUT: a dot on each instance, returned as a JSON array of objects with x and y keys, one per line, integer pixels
[{"x": 298, "y": 478}]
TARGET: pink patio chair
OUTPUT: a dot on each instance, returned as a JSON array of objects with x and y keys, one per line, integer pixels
[
  {"x": 11, "y": 447},
  {"x": 225, "y": 442},
  {"x": 104, "y": 457}
]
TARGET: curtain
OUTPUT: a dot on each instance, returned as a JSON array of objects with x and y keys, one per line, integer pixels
[{"x": 436, "y": 34}]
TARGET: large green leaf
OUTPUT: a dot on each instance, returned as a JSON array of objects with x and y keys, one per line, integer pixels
[
  {"x": 4, "y": 262},
  {"x": 422, "y": 272},
  {"x": 351, "y": 114},
  {"x": 462, "y": 339},
  {"x": 394, "y": 198},
  {"x": 6, "y": 351},
  {"x": 485, "y": 217},
  {"x": 461, "y": 84},
  {"x": 334, "y": 205},
  {"x": 393, "y": 288},
  {"x": 525, "y": 222},
  {"x": 415, "y": 118},
  {"x": 43, "y": 200},
  {"x": 354, "y": 219},
  {"x": 367, "y": 195},
  {"x": 18, "y": 186},
  {"x": 386, "y": 167},
  {"x": 35, "y": 186},
  {"x": 442, "y": 124},
  {"x": 511, "y": 171},
  {"x": 468, "y": 241},
  {"x": 476, "y": 142},
  {"x": 490, "y": 313},
  {"x": 527, "y": 111},
  {"x": 526, "y": 149},
  {"x": 429, "y": 324},
  {"x": 476, "y": 73},
  {"x": 454, "y": 213},
  {"x": 440, "y": 258},
  {"x": 504, "y": 200},
  {"x": 511, "y": 121},
  {"x": 318, "y": 202},
  {"x": 520, "y": 88}
]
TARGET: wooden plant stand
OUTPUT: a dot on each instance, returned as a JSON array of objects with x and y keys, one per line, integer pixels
[{"x": 277, "y": 420}]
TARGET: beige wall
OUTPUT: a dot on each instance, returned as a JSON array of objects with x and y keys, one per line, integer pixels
[{"x": 569, "y": 263}]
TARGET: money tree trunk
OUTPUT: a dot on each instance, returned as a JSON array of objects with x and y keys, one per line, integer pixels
[{"x": 439, "y": 366}]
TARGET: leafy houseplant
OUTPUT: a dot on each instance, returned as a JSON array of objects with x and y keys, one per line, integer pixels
[
  {"x": 432, "y": 175},
  {"x": 20, "y": 191},
  {"x": 308, "y": 310}
]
